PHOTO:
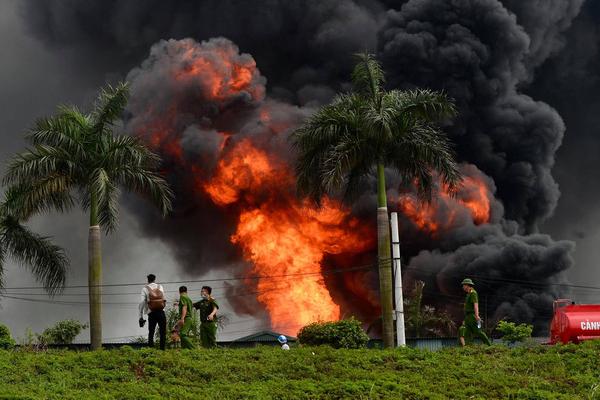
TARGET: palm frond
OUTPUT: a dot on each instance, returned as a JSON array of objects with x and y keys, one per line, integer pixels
[
  {"x": 315, "y": 141},
  {"x": 39, "y": 162},
  {"x": 109, "y": 106},
  {"x": 52, "y": 192},
  {"x": 341, "y": 159},
  {"x": 419, "y": 152},
  {"x": 355, "y": 179},
  {"x": 62, "y": 131},
  {"x": 99, "y": 184},
  {"x": 128, "y": 150},
  {"x": 421, "y": 104},
  {"x": 148, "y": 183},
  {"x": 108, "y": 208},
  {"x": 47, "y": 261},
  {"x": 368, "y": 77},
  {"x": 380, "y": 122}
]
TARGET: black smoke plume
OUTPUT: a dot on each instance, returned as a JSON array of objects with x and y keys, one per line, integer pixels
[{"x": 485, "y": 53}]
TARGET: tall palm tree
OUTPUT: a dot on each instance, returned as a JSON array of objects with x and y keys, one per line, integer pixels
[
  {"x": 75, "y": 156},
  {"x": 48, "y": 262},
  {"x": 365, "y": 131}
]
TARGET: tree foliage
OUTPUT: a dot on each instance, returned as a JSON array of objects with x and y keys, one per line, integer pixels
[
  {"x": 47, "y": 262},
  {"x": 423, "y": 320},
  {"x": 75, "y": 157},
  {"x": 343, "y": 141}
]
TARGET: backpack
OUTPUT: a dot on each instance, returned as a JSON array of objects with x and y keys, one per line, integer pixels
[{"x": 156, "y": 301}]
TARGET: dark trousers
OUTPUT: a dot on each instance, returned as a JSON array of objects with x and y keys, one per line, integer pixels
[
  {"x": 157, "y": 317},
  {"x": 469, "y": 329},
  {"x": 208, "y": 334}
]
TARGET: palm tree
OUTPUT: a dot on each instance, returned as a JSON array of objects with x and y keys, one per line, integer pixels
[
  {"x": 47, "y": 261},
  {"x": 75, "y": 156},
  {"x": 366, "y": 131}
]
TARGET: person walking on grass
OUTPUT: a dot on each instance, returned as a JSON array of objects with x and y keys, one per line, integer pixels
[
  {"x": 472, "y": 324},
  {"x": 152, "y": 303},
  {"x": 185, "y": 319},
  {"x": 208, "y": 318}
]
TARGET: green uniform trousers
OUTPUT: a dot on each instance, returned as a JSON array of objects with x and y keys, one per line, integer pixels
[
  {"x": 184, "y": 334},
  {"x": 469, "y": 329},
  {"x": 208, "y": 334}
]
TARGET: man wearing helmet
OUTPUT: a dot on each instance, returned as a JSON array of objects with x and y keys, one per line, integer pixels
[{"x": 472, "y": 324}]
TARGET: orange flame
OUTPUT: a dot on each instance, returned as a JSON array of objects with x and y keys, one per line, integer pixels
[
  {"x": 243, "y": 169},
  {"x": 284, "y": 237},
  {"x": 473, "y": 197},
  {"x": 222, "y": 70}
]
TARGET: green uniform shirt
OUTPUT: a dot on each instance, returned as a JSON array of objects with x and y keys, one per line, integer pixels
[
  {"x": 470, "y": 301},
  {"x": 184, "y": 300},
  {"x": 206, "y": 307}
]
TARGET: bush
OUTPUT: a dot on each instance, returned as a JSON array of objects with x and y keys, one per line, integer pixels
[
  {"x": 512, "y": 332},
  {"x": 63, "y": 332},
  {"x": 6, "y": 341},
  {"x": 346, "y": 334}
]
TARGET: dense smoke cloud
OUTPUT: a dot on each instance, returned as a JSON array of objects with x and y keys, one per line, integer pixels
[
  {"x": 191, "y": 102},
  {"x": 476, "y": 51},
  {"x": 300, "y": 45},
  {"x": 571, "y": 82},
  {"x": 484, "y": 53},
  {"x": 545, "y": 22}
]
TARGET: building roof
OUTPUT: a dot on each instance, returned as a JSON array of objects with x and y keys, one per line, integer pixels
[{"x": 264, "y": 336}]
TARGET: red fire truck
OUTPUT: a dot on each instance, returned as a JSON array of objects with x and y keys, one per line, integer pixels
[{"x": 574, "y": 322}]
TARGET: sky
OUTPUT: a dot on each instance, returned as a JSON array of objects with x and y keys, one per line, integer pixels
[{"x": 38, "y": 73}]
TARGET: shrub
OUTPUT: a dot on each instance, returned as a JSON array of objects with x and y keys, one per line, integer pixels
[
  {"x": 346, "y": 334},
  {"x": 512, "y": 332},
  {"x": 6, "y": 341},
  {"x": 63, "y": 332}
]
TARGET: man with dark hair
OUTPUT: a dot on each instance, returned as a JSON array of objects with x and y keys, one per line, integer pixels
[
  {"x": 208, "y": 318},
  {"x": 185, "y": 318},
  {"x": 152, "y": 302},
  {"x": 472, "y": 323}
]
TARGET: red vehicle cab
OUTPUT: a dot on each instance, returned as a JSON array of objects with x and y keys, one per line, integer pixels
[{"x": 574, "y": 322}]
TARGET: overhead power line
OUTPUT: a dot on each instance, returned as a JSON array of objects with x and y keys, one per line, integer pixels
[{"x": 241, "y": 278}]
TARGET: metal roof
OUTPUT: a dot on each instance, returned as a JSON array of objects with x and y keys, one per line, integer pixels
[{"x": 264, "y": 336}]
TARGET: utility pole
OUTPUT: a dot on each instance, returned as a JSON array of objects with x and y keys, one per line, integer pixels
[{"x": 399, "y": 301}]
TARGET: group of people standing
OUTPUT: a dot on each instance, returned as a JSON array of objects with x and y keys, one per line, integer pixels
[{"x": 153, "y": 303}]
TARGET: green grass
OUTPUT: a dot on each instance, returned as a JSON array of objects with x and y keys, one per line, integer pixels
[{"x": 561, "y": 372}]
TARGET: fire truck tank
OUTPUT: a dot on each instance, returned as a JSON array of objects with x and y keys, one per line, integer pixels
[{"x": 574, "y": 322}]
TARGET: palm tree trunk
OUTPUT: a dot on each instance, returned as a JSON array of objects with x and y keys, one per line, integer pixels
[
  {"x": 95, "y": 276},
  {"x": 384, "y": 260}
]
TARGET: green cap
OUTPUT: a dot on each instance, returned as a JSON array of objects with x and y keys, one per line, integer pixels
[{"x": 467, "y": 281}]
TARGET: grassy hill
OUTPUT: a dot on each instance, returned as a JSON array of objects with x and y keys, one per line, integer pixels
[{"x": 538, "y": 372}]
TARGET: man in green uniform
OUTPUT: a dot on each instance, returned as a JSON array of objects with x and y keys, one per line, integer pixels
[
  {"x": 185, "y": 318},
  {"x": 469, "y": 327},
  {"x": 208, "y": 325}
]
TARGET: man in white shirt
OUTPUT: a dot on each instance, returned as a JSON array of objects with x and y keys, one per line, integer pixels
[{"x": 152, "y": 302}]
